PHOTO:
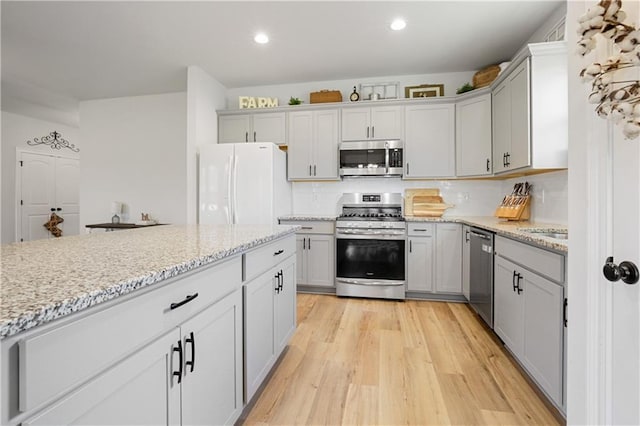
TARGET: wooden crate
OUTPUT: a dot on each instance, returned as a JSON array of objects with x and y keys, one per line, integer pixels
[{"x": 325, "y": 96}]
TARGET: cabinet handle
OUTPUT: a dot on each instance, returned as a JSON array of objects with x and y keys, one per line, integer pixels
[
  {"x": 564, "y": 311},
  {"x": 309, "y": 244},
  {"x": 367, "y": 132},
  {"x": 185, "y": 301},
  {"x": 508, "y": 159},
  {"x": 519, "y": 277},
  {"x": 407, "y": 169},
  {"x": 420, "y": 230},
  {"x": 466, "y": 236},
  {"x": 280, "y": 281},
  {"x": 277, "y": 277},
  {"x": 504, "y": 159},
  {"x": 513, "y": 281},
  {"x": 310, "y": 170},
  {"x": 373, "y": 131},
  {"x": 179, "y": 372},
  {"x": 304, "y": 244},
  {"x": 53, "y": 209},
  {"x": 488, "y": 164},
  {"x": 246, "y": 136},
  {"x": 306, "y": 227},
  {"x": 314, "y": 170},
  {"x": 279, "y": 252},
  {"x": 410, "y": 247},
  {"x": 192, "y": 340},
  {"x": 254, "y": 136}
]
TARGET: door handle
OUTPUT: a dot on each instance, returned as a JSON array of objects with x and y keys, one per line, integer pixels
[
  {"x": 367, "y": 132},
  {"x": 192, "y": 340},
  {"x": 488, "y": 164},
  {"x": 309, "y": 244},
  {"x": 513, "y": 281},
  {"x": 254, "y": 136},
  {"x": 373, "y": 131},
  {"x": 627, "y": 271},
  {"x": 410, "y": 247},
  {"x": 304, "y": 244},
  {"x": 179, "y": 372},
  {"x": 310, "y": 170},
  {"x": 246, "y": 136},
  {"x": 518, "y": 278},
  {"x": 314, "y": 170}
]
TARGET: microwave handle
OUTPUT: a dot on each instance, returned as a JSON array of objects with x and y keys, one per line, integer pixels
[{"x": 386, "y": 157}]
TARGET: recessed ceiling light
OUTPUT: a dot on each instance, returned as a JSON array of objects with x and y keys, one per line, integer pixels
[
  {"x": 398, "y": 24},
  {"x": 261, "y": 38}
]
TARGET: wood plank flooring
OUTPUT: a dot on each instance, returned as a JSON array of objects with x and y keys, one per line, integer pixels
[{"x": 367, "y": 362}]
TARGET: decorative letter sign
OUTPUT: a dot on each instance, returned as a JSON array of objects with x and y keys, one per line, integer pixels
[{"x": 252, "y": 102}]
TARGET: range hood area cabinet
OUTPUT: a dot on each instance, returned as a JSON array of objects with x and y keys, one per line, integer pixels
[
  {"x": 429, "y": 147},
  {"x": 473, "y": 135},
  {"x": 258, "y": 127},
  {"x": 530, "y": 111},
  {"x": 313, "y": 145},
  {"x": 372, "y": 123}
]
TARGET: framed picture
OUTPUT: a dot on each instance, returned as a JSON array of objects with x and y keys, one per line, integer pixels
[{"x": 424, "y": 91}]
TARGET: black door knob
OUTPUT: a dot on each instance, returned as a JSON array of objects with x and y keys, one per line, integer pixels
[{"x": 626, "y": 271}]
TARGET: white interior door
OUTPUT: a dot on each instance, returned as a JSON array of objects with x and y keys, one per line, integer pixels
[
  {"x": 67, "y": 195},
  {"x": 36, "y": 194},
  {"x": 604, "y": 219}
]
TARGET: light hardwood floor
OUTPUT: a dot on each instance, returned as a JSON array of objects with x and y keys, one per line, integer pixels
[{"x": 366, "y": 362}]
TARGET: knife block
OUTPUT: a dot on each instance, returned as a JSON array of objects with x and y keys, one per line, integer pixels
[{"x": 515, "y": 207}]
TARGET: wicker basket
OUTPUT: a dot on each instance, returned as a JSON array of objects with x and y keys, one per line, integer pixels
[
  {"x": 325, "y": 96},
  {"x": 485, "y": 76}
]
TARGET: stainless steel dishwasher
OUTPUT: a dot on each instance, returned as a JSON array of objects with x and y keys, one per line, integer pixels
[{"x": 481, "y": 273}]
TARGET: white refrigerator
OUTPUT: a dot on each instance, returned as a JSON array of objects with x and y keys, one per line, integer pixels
[{"x": 243, "y": 183}]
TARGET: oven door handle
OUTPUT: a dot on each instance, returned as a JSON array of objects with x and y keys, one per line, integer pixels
[
  {"x": 369, "y": 282},
  {"x": 369, "y": 236}
]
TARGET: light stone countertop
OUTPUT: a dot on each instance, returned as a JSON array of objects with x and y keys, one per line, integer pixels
[
  {"x": 499, "y": 226},
  {"x": 506, "y": 228},
  {"x": 47, "y": 279},
  {"x": 309, "y": 218}
]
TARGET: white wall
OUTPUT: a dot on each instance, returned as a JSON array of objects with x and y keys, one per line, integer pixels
[
  {"x": 16, "y": 131},
  {"x": 205, "y": 95},
  {"x": 549, "y": 196},
  {"x": 470, "y": 197},
  {"x": 32, "y": 101},
  {"x": 134, "y": 152},
  {"x": 553, "y": 20},
  {"x": 284, "y": 92}
]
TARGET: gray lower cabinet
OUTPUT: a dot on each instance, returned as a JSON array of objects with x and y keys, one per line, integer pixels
[
  {"x": 528, "y": 311},
  {"x": 270, "y": 315},
  {"x": 434, "y": 260},
  {"x": 466, "y": 262},
  {"x": 315, "y": 251},
  {"x": 163, "y": 382}
]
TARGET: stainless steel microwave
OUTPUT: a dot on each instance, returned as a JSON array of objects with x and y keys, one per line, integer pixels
[{"x": 371, "y": 158}]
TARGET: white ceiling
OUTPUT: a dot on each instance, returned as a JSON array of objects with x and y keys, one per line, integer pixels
[{"x": 91, "y": 50}]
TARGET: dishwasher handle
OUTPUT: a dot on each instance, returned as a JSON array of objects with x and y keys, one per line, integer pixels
[{"x": 483, "y": 236}]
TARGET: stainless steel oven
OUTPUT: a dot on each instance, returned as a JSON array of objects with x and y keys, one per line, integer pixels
[
  {"x": 371, "y": 246},
  {"x": 371, "y": 158}
]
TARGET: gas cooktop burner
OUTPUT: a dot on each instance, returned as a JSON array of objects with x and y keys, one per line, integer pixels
[{"x": 372, "y": 215}]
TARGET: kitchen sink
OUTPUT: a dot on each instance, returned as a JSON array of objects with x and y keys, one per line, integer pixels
[{"x": 558, "y": 235}]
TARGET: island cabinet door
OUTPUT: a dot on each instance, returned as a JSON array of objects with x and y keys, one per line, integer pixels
[
  {"x": 139, "y": 390},
  {"x": 212, "y": 364},
  {"x": 285, "y": 304}
]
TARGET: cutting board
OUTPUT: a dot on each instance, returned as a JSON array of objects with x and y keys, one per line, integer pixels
[{"x": 424, "y": 202}]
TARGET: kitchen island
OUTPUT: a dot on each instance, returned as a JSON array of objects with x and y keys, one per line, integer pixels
[{"x": 96, "y": 327}]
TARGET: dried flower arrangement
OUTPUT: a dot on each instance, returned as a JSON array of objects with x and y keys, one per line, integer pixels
[{"x": 618, "y": 100}]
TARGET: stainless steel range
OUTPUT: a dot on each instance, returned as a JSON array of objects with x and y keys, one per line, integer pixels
[{"x": 370, "y": 246}]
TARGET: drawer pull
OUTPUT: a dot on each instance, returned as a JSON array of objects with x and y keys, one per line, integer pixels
[
  {"x": 179, "y": 372},
  {"x": 420, "y": 230},
  {"x": 279, "y": 252},
  {"x": 307, "y": 227},
  {"x": 186, "y": 300},
  {"x": 192, "y": 364}
]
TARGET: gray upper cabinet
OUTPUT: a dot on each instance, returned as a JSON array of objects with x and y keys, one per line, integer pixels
[
  {"x": 258, "y": 127},
  {"x": 372, "y": 123},
  {"x": 530, "y": 111},
  {"x": 429, "y": 148},
  {"x": 473, "y": 135},
  {"x": 313, "y": 145}
]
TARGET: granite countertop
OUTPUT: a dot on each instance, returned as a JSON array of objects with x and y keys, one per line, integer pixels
[
  {"x": 309, "y": 217},
  {"x": 47, "y": 279},
  {"x": 508, "y": 229}
]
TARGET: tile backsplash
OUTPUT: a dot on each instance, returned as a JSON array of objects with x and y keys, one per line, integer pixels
[{"x": 470, "y": 197}]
